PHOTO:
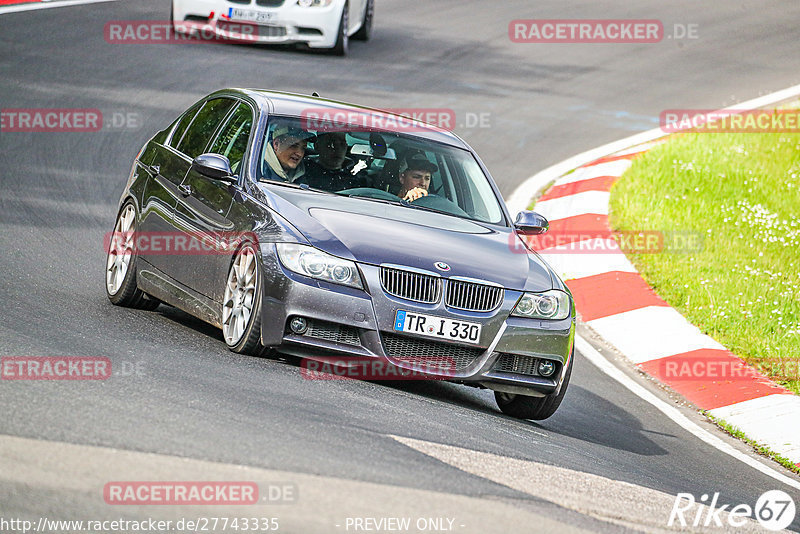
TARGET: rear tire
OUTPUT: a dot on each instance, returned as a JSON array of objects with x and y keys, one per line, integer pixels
[
  {"x": 536, "y": 408},
  {"x": 121, "y": 287},
  {"x": 342, "y": 39},
  {"x": 365, "y": 32}
]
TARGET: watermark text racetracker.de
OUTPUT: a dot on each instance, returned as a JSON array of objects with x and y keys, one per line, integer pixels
[
  {"x": 37, "y": 120},
  {"x": 730, "y": 120},
  {"x": 604, "y": 241},
  {"x": 366, "y": 368},
  {"x": 54, "y": 368},
  {"x": 68, "y": 368},
  {"x": 164, "y": 32},
  {"x": 198, "y": 493},
  {"x": 180, "y": 493},
  {"x": 324, "y": 120},
  {"x": 596, "y": 31},
  {"x": 174, "y": 243},
  {"x": 726, "y": 368}
]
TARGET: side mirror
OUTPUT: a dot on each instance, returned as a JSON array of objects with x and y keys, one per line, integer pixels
[
  {"x": 214, "y": 166},
  {"x": 530, "y": 222}
]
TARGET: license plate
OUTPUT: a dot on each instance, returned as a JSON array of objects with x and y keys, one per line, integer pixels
[
  {"x": 438, "y": 327},
  {"x": 249, "y": 15}
]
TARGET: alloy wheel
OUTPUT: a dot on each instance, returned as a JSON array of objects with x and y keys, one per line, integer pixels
[
  {"x": 240, "y": 296},
  {"x": 120, "y": 250}
]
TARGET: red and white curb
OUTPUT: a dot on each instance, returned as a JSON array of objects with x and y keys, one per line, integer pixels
[
  {"x": 614, "y": 300},
  {"x": 617, "y": 303}
]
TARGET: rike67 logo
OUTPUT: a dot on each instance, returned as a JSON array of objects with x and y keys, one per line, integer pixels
[{"x": 774, "y": 510}]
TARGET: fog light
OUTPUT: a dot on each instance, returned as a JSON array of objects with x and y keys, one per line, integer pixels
[
  {"x": 298, "y": 325},
  {"x": 546, "y": 368}
]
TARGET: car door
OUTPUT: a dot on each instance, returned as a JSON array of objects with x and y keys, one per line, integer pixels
[
  {"x": 202, "y": 211},
  {"x": 167, "y": 168}
]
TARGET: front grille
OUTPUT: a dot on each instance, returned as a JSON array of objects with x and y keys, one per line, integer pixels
[
  {"x": 471, "y": 296},
  {"x": 514, "y": 363},
  {"x": 241, "y": 2},
  {"x": 337, "y": 333},
  {"x": 410, "y": 285},
  {"x": 431, "y": 354},
  {"x": 269, "y": 3}
]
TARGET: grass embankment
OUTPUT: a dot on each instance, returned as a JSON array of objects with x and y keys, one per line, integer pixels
[{"x": 740, "y": 193}]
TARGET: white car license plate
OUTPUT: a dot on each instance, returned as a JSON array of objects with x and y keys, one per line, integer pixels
[
  {"x": 250, "y": 15},
  {"x": 439, "y": 327}
]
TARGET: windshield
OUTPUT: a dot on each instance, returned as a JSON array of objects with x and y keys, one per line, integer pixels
[{"x": 378, "y": 166}]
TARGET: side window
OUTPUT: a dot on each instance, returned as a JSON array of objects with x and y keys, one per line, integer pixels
[
  {"x": 183, "y": 123},
  {"x": 203, "y": 126},
  {"x": 232, "y": 138}
]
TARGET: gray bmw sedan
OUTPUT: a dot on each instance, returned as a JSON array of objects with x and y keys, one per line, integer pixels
[{"x": 344, "y": 235}]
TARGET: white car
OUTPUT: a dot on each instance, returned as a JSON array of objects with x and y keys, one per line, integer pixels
[{"x": 323, "y": 24}]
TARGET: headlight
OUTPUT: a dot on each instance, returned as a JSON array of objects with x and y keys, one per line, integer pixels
[
  {"x": 553, "y": 304},
  {"x": 314, "y": 3},
  {"x": 309, "y": 261}
]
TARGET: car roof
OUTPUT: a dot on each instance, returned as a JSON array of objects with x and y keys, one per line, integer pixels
[{"x": 295, "y": 105}]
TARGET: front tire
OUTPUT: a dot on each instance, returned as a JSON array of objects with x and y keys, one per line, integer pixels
[
  {"x": 365, "y": 32},
  {"x": 172, "y": 19},
  {"x": 241, "y": 307},
  {"x": 121, "y": 287},
  {"x": 342, "y": 39},
  {"x": 536, "y": 408}
]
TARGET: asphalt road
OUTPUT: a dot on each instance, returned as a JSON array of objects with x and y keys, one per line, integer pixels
[{"x": 359, "y": 448}]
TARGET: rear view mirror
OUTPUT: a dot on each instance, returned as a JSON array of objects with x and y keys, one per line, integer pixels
[
  {"x": 530, "y": 222},
  {"x": 370, "y": 152},
  {"x": 378, "y": 145},
  {"x": 214, "y": 166}
]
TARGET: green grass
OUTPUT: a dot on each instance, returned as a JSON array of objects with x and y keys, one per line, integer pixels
[
  {"x": 738, "y": 195},
  {"x": 760, "y": 449}
]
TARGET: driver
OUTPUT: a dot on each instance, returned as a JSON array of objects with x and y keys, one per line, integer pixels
[
  {"x": 415, "y": 178},
  {"x": 283, "y": 155},
  {"x": 333, "y": 170}
]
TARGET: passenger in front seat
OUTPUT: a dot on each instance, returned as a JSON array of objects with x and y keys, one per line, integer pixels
[{"x": 283, "y": 154}]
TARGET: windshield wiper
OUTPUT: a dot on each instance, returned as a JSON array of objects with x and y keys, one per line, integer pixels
[
  {"x": 383, "y": 200},
  {"x": 399, "y": 202},
  {"x": 424, "y": 208}
]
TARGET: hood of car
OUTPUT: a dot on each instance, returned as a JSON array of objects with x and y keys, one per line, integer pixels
[{"x": 379, "y": 233}]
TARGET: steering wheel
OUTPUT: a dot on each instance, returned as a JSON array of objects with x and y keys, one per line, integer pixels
[{"x": 369, "y": 192}]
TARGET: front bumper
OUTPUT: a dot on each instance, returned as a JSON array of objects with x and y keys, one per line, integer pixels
[
  {"x": 353, "y": 325},
  {"x": 318, "y": 26}
]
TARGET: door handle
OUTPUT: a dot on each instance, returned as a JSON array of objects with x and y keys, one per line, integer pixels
[{"x": 186, "y": 190}]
